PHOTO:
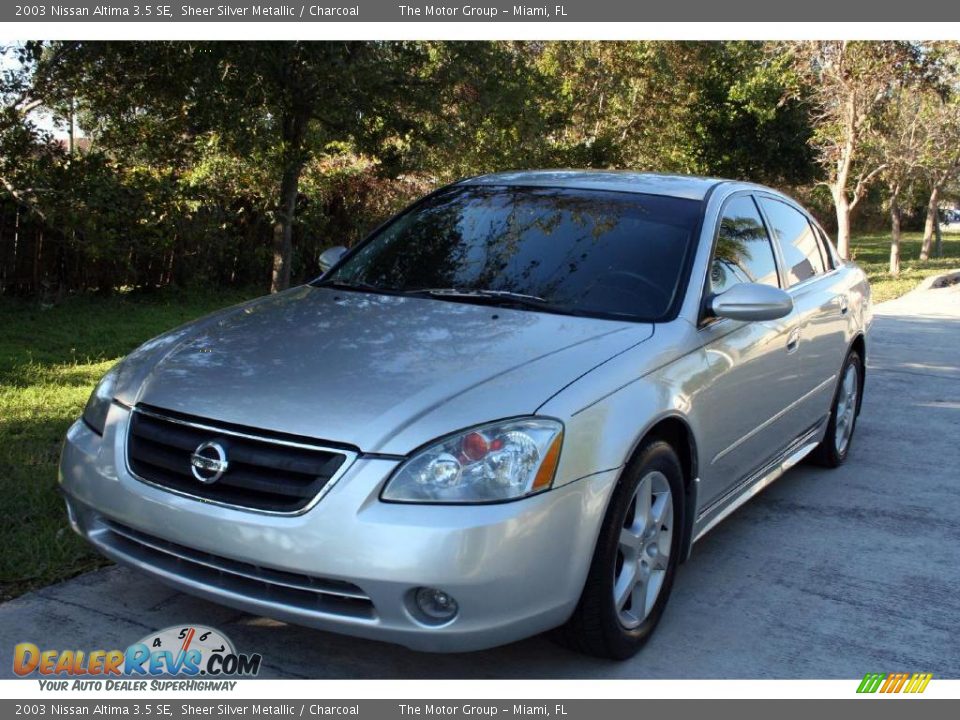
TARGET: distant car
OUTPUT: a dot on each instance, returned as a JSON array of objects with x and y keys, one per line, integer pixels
[{"x": 514, "y": 407}]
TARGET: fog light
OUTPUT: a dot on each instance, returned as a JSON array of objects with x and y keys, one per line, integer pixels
[{"x": 435, "y": 604}]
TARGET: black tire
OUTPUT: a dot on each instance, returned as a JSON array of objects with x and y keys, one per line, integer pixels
[
  {"x": 827, "y": 454},
  {"x": 595, "y": 627}
]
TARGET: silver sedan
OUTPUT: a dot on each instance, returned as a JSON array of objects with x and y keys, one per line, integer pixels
[{"x": 513, "y": 408}]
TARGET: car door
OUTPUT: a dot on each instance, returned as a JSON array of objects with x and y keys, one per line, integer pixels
[
  {"x": 753, "y": 367},
  {"x": 820, "y": 302}
]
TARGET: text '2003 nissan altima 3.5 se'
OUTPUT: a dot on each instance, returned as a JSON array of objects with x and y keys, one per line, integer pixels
[{"x": 514, "y": 407}]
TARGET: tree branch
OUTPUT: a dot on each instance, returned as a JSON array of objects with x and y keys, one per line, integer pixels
[
  {"x": 863, "y": 181},
  {"x": 30, "y": 105},
  {"x": 20, "y": 198}
]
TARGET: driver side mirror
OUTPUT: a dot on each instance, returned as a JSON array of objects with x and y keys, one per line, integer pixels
[
  {"x": 751, "y": 302},
  {"x": 330, "y": 257}
]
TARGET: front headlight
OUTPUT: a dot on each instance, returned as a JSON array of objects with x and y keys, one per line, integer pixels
[
  {"x": 489, "y": 463},
  {"x": 95, "y": 413}
]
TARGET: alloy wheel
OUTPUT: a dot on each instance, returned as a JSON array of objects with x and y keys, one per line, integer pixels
[
  {"x": 643, "y": 552},
  {"x": 846, "y": 409}
]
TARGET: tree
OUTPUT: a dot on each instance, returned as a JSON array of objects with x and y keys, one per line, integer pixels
[
  {"x": 898, "y": 146},
  {"x": 619, "y": 107},
  {"x": 940, "y": 156},
  {"x": 278, "y": 101},
  {"x": 847, "y": 84},
  {"x": 23, "y": 146},
  {"x": 711, "y": 108},
  {"x": 493, "y": 108},
  {"x": 741, "y": 126},
  {"x": 941, "y": 163},
  {"x": 331, "y": 91},
  {"x": 229, "y": 162}
]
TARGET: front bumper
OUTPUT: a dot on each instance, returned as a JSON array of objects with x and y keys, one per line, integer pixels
[{"x": 352, "y": 562}]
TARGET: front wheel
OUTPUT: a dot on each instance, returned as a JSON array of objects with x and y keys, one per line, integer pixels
[
  {"x": 833, "y": 449},
  {"x": 635, "y": 559}
]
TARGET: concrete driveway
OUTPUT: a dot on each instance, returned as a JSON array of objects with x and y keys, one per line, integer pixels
[{"x": 826, "y": 574}]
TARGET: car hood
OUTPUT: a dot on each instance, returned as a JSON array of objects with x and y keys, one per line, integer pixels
[{"x": 380, "y": 372}]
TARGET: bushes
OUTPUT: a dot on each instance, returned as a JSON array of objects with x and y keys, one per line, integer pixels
[
  {"x": 190, "y": 142},
  {"x": 102, "y": 225}
]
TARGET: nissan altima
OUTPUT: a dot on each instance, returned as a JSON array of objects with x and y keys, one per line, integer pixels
[{"x": 513, "y": 408}]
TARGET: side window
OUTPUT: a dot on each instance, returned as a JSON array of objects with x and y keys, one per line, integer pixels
[
  {"x": 799, "y": 244},
  {"x": 743, "y": 253}
]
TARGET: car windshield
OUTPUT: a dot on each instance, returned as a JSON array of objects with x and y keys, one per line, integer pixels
[{"x": 585, "y": 252}]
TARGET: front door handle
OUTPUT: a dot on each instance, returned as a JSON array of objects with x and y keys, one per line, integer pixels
[{"x": 793, "y": 340}]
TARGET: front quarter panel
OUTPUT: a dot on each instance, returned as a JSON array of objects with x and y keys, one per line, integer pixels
[{"x": 608, "y": 412}]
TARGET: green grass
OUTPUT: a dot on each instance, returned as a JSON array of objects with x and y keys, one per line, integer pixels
[
  {"x": 872, "y": 253},
  {"x": 50, "y": 359}
]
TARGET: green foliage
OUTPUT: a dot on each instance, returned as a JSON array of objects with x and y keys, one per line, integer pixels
[
  {"x": 50, "y": 359},
  {"x": 205, "y": 162},
  {"x": 693, "y": 107}
]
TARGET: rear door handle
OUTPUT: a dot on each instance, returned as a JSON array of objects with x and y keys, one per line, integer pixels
[
  {"x": 842, "y": 302},
  {"x": 793, "y": 340}
]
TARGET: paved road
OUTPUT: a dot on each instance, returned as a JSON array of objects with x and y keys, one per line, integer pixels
[{"x": 826, "y": 574}]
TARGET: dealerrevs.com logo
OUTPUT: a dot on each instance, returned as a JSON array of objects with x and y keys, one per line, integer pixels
[{"x": 179, "y": 651}]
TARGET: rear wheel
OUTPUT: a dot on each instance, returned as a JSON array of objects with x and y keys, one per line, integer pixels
[
  {"x": 833, "y": 449},
  {"x": 635, "y": 559}
]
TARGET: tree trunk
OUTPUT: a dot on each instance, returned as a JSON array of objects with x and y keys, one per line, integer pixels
[
  {"x": 839, "y": 187},
  {"x": 894, "y": 235},
  {"x": 294, "y": 135},
  {"x": 283, "y": 227},
  {"x": 37, "y": 249},
  {"x": 16, "y": 243},
  {"x": 843, "y": 223},
  {"x": 73, "y": 128},
  {"x": 938, "y": 247},
  {"x": 931, "y": 225}
]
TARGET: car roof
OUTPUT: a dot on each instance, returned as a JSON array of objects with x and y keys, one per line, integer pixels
[{"x": 683, "y": 186}]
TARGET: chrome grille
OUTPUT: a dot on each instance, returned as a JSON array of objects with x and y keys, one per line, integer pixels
[{"x": 271, "y": 474}]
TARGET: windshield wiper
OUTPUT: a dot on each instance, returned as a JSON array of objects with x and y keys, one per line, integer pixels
[
  {"x": 457, "y": 292},
  {"x": 505, "y": 298},
  {"x": 351, "y": 285}
]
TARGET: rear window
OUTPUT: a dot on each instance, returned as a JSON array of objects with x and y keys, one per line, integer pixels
[{"x": 579, "y": 251}]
